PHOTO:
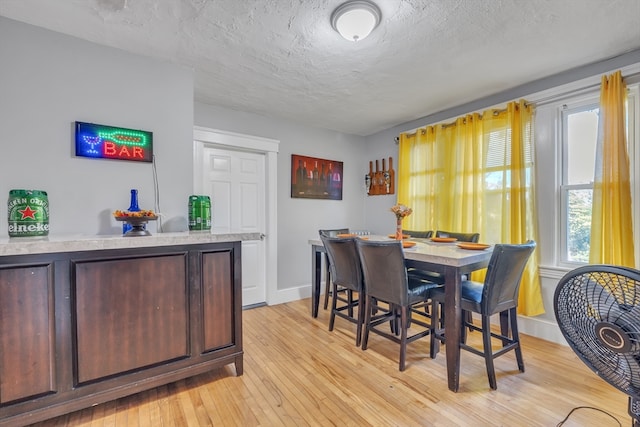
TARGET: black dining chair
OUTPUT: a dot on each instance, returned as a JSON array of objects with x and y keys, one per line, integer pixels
[
  {"x": 418, "y": 234},
  {"x": 462, "y": 237},
  {"x": 327, "y": 274},
  {"x": 497, "y": 295},
  {"x": 346, "y": 274},
  {"x": 392, "y": 296}
]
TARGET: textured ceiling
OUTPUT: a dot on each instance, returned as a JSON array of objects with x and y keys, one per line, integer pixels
[{"x": 281, "y": 58}]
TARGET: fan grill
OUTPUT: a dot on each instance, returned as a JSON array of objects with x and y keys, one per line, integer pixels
[{"x": 593, "y": 299}]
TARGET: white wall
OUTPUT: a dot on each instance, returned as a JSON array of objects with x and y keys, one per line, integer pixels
[
  {"x": 300, "y": 219},
  {"x": 47, "y": 82}
]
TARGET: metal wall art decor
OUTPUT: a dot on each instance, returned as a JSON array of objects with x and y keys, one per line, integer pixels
[{"x": 313, "y": 178}]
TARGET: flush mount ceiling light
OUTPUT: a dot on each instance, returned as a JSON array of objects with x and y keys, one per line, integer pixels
[{"x": 355, "y": 19}]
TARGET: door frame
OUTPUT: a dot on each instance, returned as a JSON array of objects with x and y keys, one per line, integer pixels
[{"x": 269, "y": 147}]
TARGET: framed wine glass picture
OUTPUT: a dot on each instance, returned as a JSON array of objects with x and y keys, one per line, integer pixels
[{"x": 313, "y": 178}]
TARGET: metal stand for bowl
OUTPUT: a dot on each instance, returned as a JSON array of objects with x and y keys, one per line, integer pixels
[{"x": 137, "y": 224}]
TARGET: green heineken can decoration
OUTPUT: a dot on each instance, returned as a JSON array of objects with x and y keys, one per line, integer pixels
[
  {"x": 28, "y": 213},
  {"x": 199, "y": 213}
]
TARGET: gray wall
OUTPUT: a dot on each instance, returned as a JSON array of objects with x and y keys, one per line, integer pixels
[
  {"x": 300, "y": 219},
  {"x": 47, "y": 82}
]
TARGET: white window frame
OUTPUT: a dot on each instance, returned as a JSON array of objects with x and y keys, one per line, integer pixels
[
  {"x": 569, "y": 106},
  {"x": 584, "y": 102}
]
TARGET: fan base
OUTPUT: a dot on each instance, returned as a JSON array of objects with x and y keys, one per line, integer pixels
[{"x": 634, "y": 410}]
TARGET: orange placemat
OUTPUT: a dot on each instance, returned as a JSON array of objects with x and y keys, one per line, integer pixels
[
  {"x": 473, "y": 246},
  {"x": 444, "y": 239}
]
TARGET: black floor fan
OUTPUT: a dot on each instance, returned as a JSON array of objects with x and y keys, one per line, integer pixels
[{"x": 598, "y": 311}]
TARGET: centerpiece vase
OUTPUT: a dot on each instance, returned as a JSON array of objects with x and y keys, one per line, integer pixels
[{"x": 399, "y": 229}]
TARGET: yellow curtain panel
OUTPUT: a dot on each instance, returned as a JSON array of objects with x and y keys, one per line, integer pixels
[
  {"x": 476, "y": 175},
  {"x": 416, "y": 181},
  {"x": 611, "y": 218}
]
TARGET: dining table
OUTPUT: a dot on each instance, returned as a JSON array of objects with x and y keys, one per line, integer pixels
[{"x": 446, "y": 258}]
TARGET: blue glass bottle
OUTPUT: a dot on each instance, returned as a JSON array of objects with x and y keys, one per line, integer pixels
[{"x": 133, "y": 207}]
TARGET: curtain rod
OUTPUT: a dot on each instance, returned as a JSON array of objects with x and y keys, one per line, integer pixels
[
  {"x": 446, "y": 125},
  {"x": 629, "y": 79}
]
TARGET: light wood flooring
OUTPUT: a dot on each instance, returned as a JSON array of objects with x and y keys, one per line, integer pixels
[{"x": 297, "y": 373}]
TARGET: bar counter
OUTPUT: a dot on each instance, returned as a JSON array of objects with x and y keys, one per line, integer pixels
[
  {"x": 88, "y": 319},
  {"x": 75, "y": 243}
]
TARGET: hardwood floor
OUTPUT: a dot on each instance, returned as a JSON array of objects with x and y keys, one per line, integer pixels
[{"x": 297, "y": 373}]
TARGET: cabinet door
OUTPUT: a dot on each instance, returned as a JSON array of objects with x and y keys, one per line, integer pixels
[
  {"x": 130, "y": 313},
  {"x": 218, "y": 298},
  {"x": 27, "y": 331}
]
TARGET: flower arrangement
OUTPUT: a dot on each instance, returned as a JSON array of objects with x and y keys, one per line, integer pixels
[{"x": 401, "y": 211}]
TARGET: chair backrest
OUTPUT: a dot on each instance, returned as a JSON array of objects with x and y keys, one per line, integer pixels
[
  {"x": 418, "y": 234},
  {"x": 463, "y": 237},
  {"x": 502, "y": 282},
  {"x": 385, "y": 275},
  {"x": 333, "y": 232},
  {"x": 344, "y": 261}
]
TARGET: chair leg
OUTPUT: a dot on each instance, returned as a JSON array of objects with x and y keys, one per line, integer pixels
[
  {"x": 516, "y": 337},
  {"x": 404, "y": 320},
  {"x": 504, "y": 326},
  {"x": 488, "y": 352},
  {"x": 469, "y": 318},
  {"x": 350, "y": 299},
  {"x": 397, "y": 319},
  {"x": 393, "y": 321},
  {"x": 434, "y": 328},
  {"x": 327, "y": 275},
  {"x": 334, "y": 306},
  {"x": 361, "y": 310},
  {"x": 367, "y": 322},
  {"x": 463, "y": 328}
]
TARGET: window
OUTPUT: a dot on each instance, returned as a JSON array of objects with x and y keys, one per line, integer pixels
[
  {"x": 498, "y": 179},
  {"x": 579, "y": 136}
]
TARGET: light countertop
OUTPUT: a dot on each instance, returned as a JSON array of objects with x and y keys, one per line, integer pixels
[{"x": 77, "y": 243}]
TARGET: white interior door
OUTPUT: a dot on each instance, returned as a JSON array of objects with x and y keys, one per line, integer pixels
[{"x": 235, "y": 182}]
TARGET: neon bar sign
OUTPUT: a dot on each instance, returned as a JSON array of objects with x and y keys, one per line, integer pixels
[{"x": 108, "y": 142}]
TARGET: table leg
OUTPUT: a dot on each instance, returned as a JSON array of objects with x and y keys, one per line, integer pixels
[
  {"x": 452, "y": 326},
  {"x": 316, "y": 266}
]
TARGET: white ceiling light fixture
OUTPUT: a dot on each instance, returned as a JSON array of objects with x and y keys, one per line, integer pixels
[{"x": 355, "y": 19}]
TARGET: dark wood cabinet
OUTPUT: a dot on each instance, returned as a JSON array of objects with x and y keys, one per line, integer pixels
[
  {"x": 82, "y": 328},
  {"x": 27, "y": 332},
  {"x": 218, "y": 330}
]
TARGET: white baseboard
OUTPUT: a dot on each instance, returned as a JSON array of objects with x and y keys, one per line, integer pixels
[
  {"x": 281, "y": 296},
  {"x": 539, "y": 328}
]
